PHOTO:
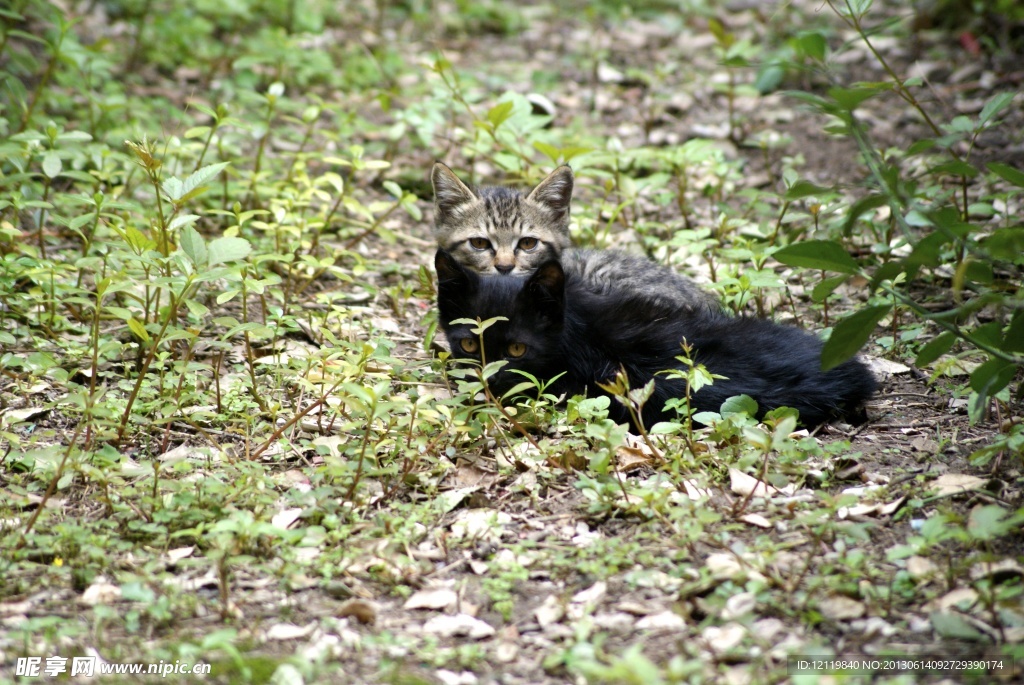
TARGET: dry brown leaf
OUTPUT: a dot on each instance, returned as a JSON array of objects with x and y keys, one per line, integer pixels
[
  {"x": 629, "y": 459},
  {"x": 720, "y": 639},
  {"x": 743, "y": 485},
  {"x": 956, "y": 483},
  {"x": 289, "y": 631},
  {"x": 102, "y": 591},
  {"x": 551, "y": 611},
  {"x": 459, "y": 625},
  {"x": 999, "y": 571},
  {"x": 363, "y": 611},
  {"x": 432, "y": 598},
  {"x": 756, "y": 520},
  {"x": 662, "y": 621},
  {"x": 284, "y": 519},
  {"x": 962, "y": 598},
  {"x": 841, "y": 608}
]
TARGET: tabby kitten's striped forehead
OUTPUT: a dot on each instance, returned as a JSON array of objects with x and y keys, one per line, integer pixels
[{"x": 501, "y": 230}]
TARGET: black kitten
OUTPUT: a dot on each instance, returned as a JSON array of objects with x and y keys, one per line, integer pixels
[{"x": 558, "y": 323}]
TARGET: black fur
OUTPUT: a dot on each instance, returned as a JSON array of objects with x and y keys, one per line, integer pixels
[{"x": 590, "y": 335}]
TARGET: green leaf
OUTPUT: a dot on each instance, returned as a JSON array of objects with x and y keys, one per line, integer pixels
[
  {"x": 740, "y": 404},
  {"x": 992, "y": 376},
  {"x": 850, "y": 334},
  {"x": 52, "y": 164},
  {"x": 138, "y": 329},
  {"x": 826, "y": 287},
  {"x": 987, "y": 522},
  {"x": 181, "y": 191},
  {"x": 173, "y": 188},
  {"x": 199, "y": 178},
  {"x": 1006, "y": 243},
  {"x": 802, "y": 189},
  {"x": 74, "y": 137},
  {"x": 955, "y": 167},
  {"x": 1007, "y": 173},
  {"x": 995, "y": 106},
  {"x": 769, "y": 77},
  {"x": 1014, "y": 340},
  {"x": 812, "y": 44},
  {"x": 549, "y": 151},
  {"x": 194, "y": 247},
  {"x": 951, "y": 625},
  {"x": 861, "y": 206},
  {"x": 224, "y": 250},
  {"x": 500, "y": 113},
  {"x": 574, "y": 151},
  {"x": 942, "y": 344},
  {"x": 850, "y": 98},
  {"x": 827, "y": 255},
  {"x": 936, "y": 348},
  {"x": 182, "y": 220}
]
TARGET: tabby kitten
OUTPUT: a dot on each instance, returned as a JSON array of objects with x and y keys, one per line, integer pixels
[
  {"x": 501, "y": 231},
  {"x": 558, "y": 324},
  {"x": 498, "y": 230}
]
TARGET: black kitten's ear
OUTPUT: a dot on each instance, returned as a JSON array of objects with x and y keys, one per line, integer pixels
[
  {"x": 451, "y": 273},
  {"x": 555, "y": 191},
  {"x": 449, "y": 191},
  {"x": 546, "y": 288}
]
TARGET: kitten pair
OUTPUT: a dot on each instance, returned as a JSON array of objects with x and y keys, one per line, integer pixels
[
  {"x": 501, "y": 231},
  {"x": 584, "y": 315}
]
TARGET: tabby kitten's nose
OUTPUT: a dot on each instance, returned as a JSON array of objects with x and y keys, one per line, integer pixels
[{"x": 504, "y": 268}]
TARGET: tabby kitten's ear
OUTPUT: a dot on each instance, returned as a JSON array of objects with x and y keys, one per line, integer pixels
[
  {"x": 449, "y": 191},
  {"x": 546, "y": 289},
  {"x": 555, "y": 191}
]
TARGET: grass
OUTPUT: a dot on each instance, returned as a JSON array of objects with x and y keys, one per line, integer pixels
[{"x": 229, "y": 435}]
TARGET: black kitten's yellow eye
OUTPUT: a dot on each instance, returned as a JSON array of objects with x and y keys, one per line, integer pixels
[
  {"x": 516, "y": 350},
  {"x": 480, "y": 243},
  {"x": 528, "y": 244},
  {"x": 469, "y": 345}
]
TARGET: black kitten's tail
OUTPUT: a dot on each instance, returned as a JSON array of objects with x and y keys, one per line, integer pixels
[{"x": 778, "y": 366}]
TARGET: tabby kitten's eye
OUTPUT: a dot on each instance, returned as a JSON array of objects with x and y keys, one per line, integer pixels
[
  {"x": 528, "y": 244},
  {"x": 516, "y": 350},
  {"x": 480, "y": 243},
  {"x": 469, "y": 345}
]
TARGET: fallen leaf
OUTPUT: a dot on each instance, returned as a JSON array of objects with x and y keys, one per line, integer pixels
[
  {"x": 359, "y": 609},
  {"x": 459, "y": 625},
  {"x": 629, "y": 459},
  {"x": 593, "y": 595},
  {"x": 432, "y": 598},
  {"x": 962, "y": 598},
  {"x": 289, "y": 631},
  {"x": 551, "y": 610},
  {"x": 694, "y": 491},
  {"x": 284, "y": 519},
  {"x": 720, "y": 639},
  {"x": 956, "y": 483},
  {"x": 954, "y": 626},
  {"x": 999, "y": 571},
  {"x": 841, "y": 608},
  {"x": 744, "y": 485},
  {"x": 449, "y": 499},
  {"x": 13, "y": 416},
  {"x": 176, "y": 555},
  {"x": 738, "y": 605},
  {"x": 100, "y": 592},
  {"x": 485, "y": 525},
  {"x": 920, "y": 567},
  {"x": 662, "y": 621}
]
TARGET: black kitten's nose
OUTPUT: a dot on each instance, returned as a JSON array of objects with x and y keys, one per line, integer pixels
[{"x": 504, "y": 268}]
